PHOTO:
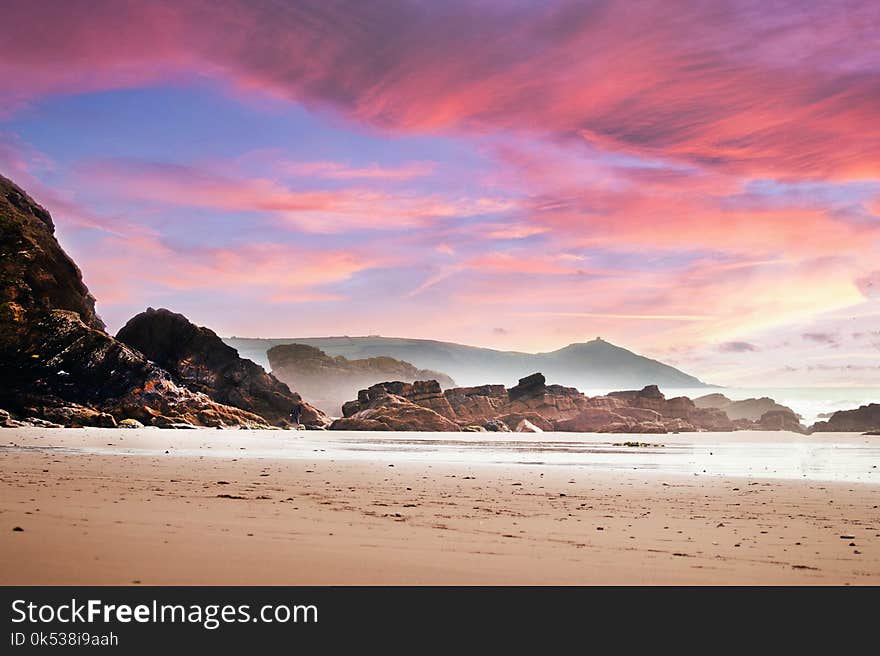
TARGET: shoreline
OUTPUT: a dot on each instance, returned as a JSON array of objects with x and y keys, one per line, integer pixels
[{"x": 249, "y": 518}]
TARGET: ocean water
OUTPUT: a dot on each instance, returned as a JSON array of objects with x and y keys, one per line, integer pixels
[
  {"x": 748, "y": 454},
  {"x": 808, "y": 402}
]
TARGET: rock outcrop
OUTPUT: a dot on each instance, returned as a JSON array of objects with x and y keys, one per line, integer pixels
[
  {"x": 390, "y": 412},
  {"x": 36, "y": 275},
  {"x": 328, "y": 382},
  {"x": 751, "y": 409},
  {"x": 532, "y": 406},
  {"x": 198, "y": 359},
  {"x": 63, "y": 368},
  {"x": 864, "y": 419},
  {"x": 488, "y": 406},
  {"x": 58, "y": 363}
]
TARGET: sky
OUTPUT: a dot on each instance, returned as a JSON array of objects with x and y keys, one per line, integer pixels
[{"x": 697, "y": 181}]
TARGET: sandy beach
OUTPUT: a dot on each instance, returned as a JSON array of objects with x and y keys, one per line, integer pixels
[{"x": 100, "y": 506}]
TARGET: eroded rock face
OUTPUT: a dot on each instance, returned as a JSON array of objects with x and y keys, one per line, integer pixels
[
  {"x": 198, "y": 359},
  {"x": 533, "y": 405},
  {"x": 64, "y": 368},
  {"x": 35, "y": 272},
  {"x": 58, "y": 364},
  {"x": 784, "y": 420},
  {"x": 329, "y": 382},
  {"x": 864, "y": 419},
  {"x": 476, "y": 404},
  {"x": 390, "y": 412}
]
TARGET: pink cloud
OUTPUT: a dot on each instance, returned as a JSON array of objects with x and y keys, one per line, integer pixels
[
  {"x": 338, "y": 171},
  {"x": 320, "y": 211},
  {"x": 738, "y": 86},
  {"x": 141, "y": 268}
]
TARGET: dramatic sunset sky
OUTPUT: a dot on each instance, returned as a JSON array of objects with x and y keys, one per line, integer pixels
[{"x": 698, "y": 181}]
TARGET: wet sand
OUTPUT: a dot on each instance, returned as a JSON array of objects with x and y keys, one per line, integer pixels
[{"x": 237, "y": 507}]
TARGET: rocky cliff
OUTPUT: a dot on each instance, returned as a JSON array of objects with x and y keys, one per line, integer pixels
[
  {"x": 58, "y": 364},
  {"x": 328, "y": 382},
  {"x": 199, "y": 360}
]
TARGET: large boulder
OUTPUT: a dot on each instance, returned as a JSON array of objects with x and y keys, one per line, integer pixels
[
  {"x": 784, "y": 420},
  {"x": 198, "y": 359},
  {"x": 864, "y": 419},
  {"x": 553, "y": 402},
  {"x": 328, "y": 382},
  {"x": 478, "y": 404},
  {"x": 394, "y": 413},
  {"x": 425, "y": 393}
]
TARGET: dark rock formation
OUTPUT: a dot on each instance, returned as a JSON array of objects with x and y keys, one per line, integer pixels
[
  {"x": 58, "y": 364},
  {"x": 328, "y": 382},
  {"x": 198, "y": 359},
  {"x": 864, "y": 419},
  {"x": 61, "y": 367},
  {"x": 35, "y": 273}
]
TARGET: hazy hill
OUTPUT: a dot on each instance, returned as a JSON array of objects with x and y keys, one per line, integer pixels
[{"x": 596, "y": 364}]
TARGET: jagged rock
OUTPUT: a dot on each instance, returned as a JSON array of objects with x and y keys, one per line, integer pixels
[
  {"x": 199, "y": 360},
  {"x": 129, "y": 423},
  {"x": 328, "y": 382},
  {"x": 36, "y": 275},
  {"x": 473, "y": 429},
  {"x": 496, "y": 426},
  {"x": 677, "y": 425},
  {"x": 650, "y": 397},
  {"x": 528, "y": 386},
  {"x": 40, "y": 423},
  {"x": 514, "y": 419},
  {"x": 640, "y": 414},
  {"x": 606, "y": 402},
  {"x": 864, "y": 419},
  {"x": 678, "y": 407},
  {"x": 424, "y": 393},
  {"x": 553, "y": 402},
  {"x": 472, "y": 404},
  {"x": 61, "y": 361},
  {"x": 391, "y": 412},
  {"x": 54, "y": 352},
  {"x": 525, "y": 426},
  {"x": 780, "y": 420},
  {"x": 591, "y": 420},
  {"x": 75, "y": 416},
  {"x": 6, "y": 420},
  {"x": 711, "y": 419}
]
